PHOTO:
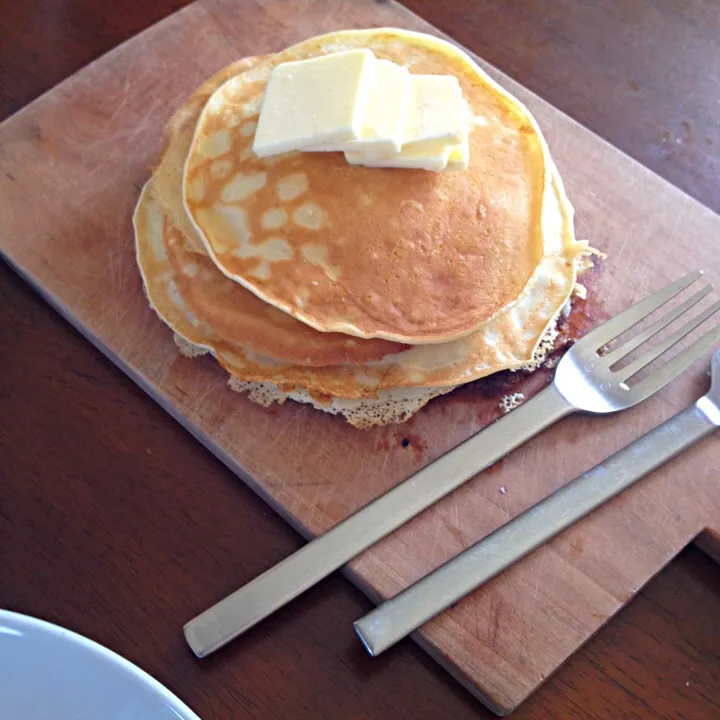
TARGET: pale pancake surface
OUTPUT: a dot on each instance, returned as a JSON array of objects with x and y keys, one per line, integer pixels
[{"x": 412, "y": 256}]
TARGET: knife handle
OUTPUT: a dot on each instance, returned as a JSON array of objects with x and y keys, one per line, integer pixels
[
  {"x": 398, "y": 617},
  {"x": 277, "y": 586}
]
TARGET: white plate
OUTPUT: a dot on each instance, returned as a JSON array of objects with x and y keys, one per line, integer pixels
[{"x": 49, "y": 673}]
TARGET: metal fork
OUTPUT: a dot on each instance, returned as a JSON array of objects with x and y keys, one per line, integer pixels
[
  {"x": 585, "y": 380},
  {"x": 452, "y": 581}
]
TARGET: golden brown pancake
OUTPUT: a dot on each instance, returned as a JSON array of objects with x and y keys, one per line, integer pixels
[
  {"x": 272, "y": 356},
  {"x": 509, "y": 340},
  {"x": 406, "y": 255},
  {"x": 240, "y": 317}
]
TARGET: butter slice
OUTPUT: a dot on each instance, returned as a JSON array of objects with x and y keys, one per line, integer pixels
[
  {"x": 437, "y": 113},
  {"x": 426, "y": 158},
  {"x": 459, "y": 155},
  {"x": 437, "y": 157},
  {"x": 436, "y": 131},
  {"x": 386, "y": 114},
  {"x": 320, "y": 101}
]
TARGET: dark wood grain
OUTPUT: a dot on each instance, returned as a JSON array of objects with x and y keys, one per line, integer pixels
[{"x": 113, "y": 520}]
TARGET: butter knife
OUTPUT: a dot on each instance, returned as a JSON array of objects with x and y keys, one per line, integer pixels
[{"x": 398, "y": 617}]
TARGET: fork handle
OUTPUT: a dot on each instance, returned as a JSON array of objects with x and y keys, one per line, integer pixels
[
  {"x": 398, "y": 617},
  {"x": 270, "y": 591}
]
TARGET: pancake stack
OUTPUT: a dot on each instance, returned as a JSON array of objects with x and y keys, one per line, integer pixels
[{"x": 364, "y": 291}]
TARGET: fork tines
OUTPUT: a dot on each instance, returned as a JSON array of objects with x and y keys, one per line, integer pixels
[{"x": 616, "y": 326}]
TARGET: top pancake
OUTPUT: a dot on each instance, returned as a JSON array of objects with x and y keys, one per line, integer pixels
[{"x": 405, "y": 255}]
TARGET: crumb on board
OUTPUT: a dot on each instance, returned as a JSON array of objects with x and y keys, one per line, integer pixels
[
  {"x": 502, "y": 489},
  {"x": 510, "y": 402}
]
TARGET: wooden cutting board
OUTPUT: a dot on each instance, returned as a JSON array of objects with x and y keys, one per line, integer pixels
[{"x": 71, "y": 165}]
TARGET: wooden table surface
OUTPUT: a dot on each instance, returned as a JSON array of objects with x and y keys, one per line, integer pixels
[{"x": 110, "y": 514}]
